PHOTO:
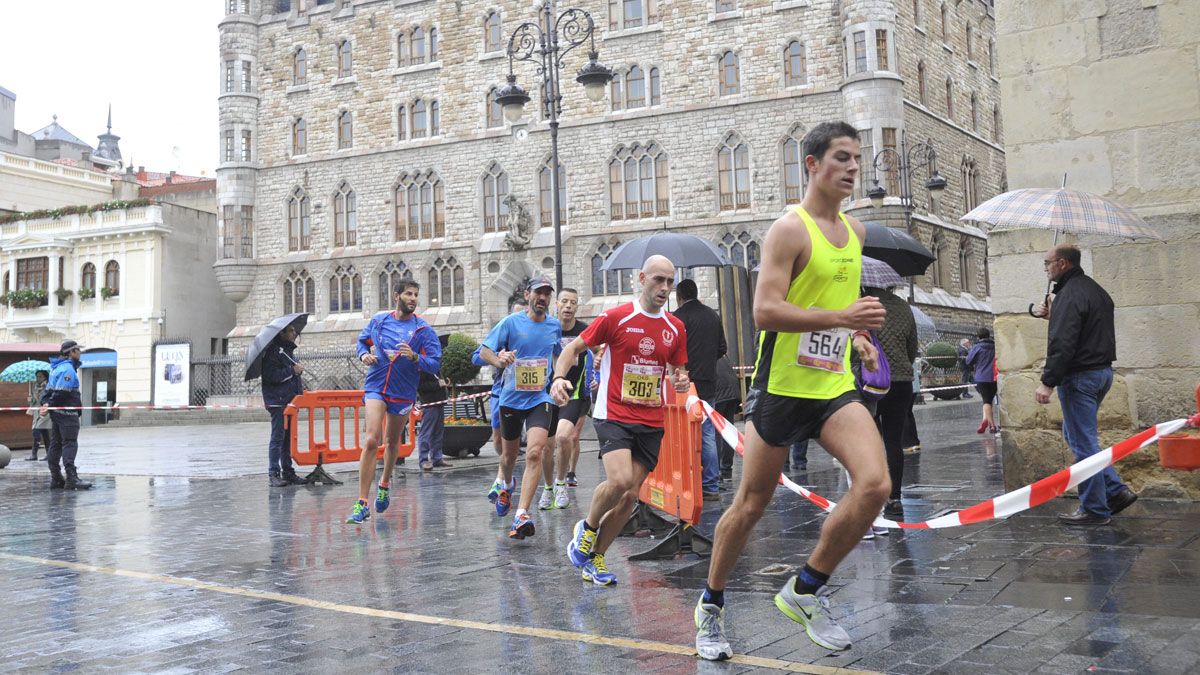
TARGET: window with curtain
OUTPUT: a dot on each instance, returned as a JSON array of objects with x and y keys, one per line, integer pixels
[
  {"x": 299, "y": 67},
  {"x": 345, "y": 291},
  {"x": 795, "y": 70},
  {"x": 345, "y": 216},
  {"x": 495, "y": 190},
  {"x": 639, "y": 184},
  {"x": 420, "y": 210},
  {"x": 730, "y": 79},
  {"x": 546, "y": 194},
  {"x": 112, "y": 277},
  {"x": 299, "y": 210},
  {"x": 447, "y": 283},
  {"x": 733, "y": 174},
  {"x": 794, "y": 174},
  {"x": 299, "y": 293}
]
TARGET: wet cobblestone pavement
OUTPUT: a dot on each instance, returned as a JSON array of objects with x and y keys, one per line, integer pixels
[{"x": 181, "y": 573}]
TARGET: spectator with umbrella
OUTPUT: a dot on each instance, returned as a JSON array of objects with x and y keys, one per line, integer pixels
[
  {"x": 30, "y": 372},
  {"x": 282, "y": 381},
  {"x": 41, "y": 423}
]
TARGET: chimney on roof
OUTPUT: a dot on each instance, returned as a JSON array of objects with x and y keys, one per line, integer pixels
[{"x": 170, "y": 177}]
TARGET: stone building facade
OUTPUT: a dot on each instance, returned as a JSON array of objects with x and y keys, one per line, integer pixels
[
  {"x": 1108, "y": 94},
  {"x": 359, "y": 143}
]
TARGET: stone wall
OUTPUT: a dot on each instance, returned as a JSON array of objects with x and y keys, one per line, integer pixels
[
  {"x": 1108, "y": 93},
  {"x": 690, "y": 125}
]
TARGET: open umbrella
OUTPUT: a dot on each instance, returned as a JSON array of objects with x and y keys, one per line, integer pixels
[
  {"x": 255, "y": 352},
  {"x": 23, "y": 372},
  {"x": 1060, "y": 210},
  {"x": 685, "y": 250},
  {"x": 926, "y": 330},
  {"x": 878, "y": 274},
  {"x": 907, "y": 256}
]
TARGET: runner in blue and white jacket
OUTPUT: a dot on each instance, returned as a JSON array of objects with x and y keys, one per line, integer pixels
[{"x": 396, "y": 345}]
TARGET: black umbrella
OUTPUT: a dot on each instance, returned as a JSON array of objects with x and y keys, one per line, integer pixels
[
  {"x": 685, "y": 250},
  {"x": 897, "y": 248},
  {"x": 254, "y": 353}
]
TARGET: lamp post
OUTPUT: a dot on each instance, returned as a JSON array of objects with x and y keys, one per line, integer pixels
[
  {"x": 539, "y": 43},
  {"x": 904, "y": 162}
]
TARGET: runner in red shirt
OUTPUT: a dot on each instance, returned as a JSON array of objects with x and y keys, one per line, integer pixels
[{"x": 646, "y": 345}]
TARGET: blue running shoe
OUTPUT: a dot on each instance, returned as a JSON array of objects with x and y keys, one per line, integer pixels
[
  {"x": 579, "y": 549},
  {"x": 503, "y": 503},
  {"x": 360, "y": 513},
  {"x": 493, "y": 493},
  {"x": 522, "y": 526},
  {"x": 382, "y": 499},
  {"x": 596, "y": 571}
]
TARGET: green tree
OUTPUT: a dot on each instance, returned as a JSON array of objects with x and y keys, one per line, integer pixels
[{"x": 456, "y": 361}]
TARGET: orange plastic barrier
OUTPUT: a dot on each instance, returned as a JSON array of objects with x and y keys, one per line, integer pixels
[
  {"x": 674, "y": 487},
  {"x": 335, "y": 421}
]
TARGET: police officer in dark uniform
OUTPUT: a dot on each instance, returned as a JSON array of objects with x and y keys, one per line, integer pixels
[{"x": 62, "y": 393}]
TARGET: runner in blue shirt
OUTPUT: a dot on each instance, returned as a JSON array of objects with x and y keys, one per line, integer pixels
[
  {"x": 525, "y": 345},
  {"x": 518, "y": 305},
  {"x": 395, "y": 345}
]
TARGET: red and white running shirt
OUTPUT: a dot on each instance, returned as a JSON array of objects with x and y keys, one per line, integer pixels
[{"x": 634, "y": 367}]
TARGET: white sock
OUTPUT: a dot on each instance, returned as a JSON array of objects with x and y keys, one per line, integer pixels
[{"x": 520, "y": 512}]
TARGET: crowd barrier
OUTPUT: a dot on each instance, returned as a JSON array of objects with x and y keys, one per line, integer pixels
[
  {"x": 335, "y": 419},
  {"x": 674, "y": 487}
]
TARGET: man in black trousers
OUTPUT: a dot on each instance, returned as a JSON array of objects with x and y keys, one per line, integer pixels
[
  {"x": 706, "y": 344},
  {"x": 62, "y": 394}
]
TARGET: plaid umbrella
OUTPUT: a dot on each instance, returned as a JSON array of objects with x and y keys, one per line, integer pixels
[
  {"x": 23, "y": 372},
  {"x": 1060, "y": 210},
  {"x": 878, "y": 274}
]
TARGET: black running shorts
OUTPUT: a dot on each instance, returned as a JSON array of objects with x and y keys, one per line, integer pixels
[
  {"x": 641, "y": 441},
  {"x": 542, "y": 416},
  {"x": 783, "y": 420},
  {"x": 575, "y": 410}
]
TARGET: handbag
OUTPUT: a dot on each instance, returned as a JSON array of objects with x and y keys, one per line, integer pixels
[{"x": 874, "y": 384}]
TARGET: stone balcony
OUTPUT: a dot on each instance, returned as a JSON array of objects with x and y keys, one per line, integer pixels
[{"x": 235, "y": 276}]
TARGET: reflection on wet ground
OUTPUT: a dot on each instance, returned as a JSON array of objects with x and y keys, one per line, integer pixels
[{"x": 237, "y": 576}]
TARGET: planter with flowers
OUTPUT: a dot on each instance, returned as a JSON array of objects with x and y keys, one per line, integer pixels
[
  {"x": 86, "y": 293},
  {"x": 27, "y": 298},
  {"x": 106, "y": 292}
]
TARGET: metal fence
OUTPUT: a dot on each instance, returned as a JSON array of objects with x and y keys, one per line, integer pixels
[{"x": 225, "y": 376}]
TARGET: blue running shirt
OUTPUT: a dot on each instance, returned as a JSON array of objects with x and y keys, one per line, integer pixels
[{"x": 537, "y": 344}]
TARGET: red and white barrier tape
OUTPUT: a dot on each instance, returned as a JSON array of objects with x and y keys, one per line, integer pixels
[
  {"x": 1005, "y": 505},
  {"x": 464, "y": 397}
]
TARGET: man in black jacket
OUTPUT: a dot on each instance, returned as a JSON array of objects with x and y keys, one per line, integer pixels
[
  {"x": 705, "y": 344},
  {"x": 1080, "y": 349},
  {"x": 280, "y": 384}
]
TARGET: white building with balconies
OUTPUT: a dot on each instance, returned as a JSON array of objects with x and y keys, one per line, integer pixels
[{"x": 121, "y": 277}]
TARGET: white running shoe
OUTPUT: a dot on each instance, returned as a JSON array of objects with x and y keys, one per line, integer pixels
[
  {"x": 710, "y": 632},
  {"x": 546, "y": 501},
  {"x": 562, "y": 497},
  {"x": 812, "y": 612}
]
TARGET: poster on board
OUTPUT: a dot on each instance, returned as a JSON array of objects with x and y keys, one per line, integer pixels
[{"x": 172, "y": 374}]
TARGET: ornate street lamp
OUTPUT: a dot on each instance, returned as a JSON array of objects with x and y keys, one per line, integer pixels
[
  {"x": 539, "y": 43},
  {"x": 921, "y": 155}
]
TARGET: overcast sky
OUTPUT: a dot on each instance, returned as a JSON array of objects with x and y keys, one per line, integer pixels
[{"x": 156, "y": 61}]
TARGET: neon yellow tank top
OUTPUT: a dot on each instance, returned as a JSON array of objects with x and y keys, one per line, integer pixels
[{"x": 815, "y": 365}]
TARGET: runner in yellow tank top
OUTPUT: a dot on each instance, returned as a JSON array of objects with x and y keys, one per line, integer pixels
[
  {"x": 815, "y": 364},
  {"x": 807, "y": 307}
]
